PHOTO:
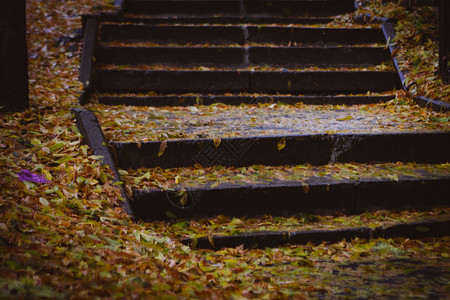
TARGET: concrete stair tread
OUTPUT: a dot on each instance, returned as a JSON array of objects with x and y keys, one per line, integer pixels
[
  {"x": 228, "y": 226},
  {"x": 265, "y": 231},
  {"x": 198, "y": 177},
  {"x": 433, "y": 227},
  {"x": 160, "y": 100},
  {"x": 221, "y": 121},
  {"x": 258, "y": 190},
  {"x": 273, "y": 134}
]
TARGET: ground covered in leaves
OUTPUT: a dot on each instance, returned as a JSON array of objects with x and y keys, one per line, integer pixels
[
  {"x": 64, "y": 235},
  {"x": 417, "y": 45}
]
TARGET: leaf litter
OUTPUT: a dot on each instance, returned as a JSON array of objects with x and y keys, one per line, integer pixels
[
  {"x": 215, "y": 176},
  {"x": 132, "y": 124},
  {"x": 69, "y": 238},
  {"x": 417, "y": 45},
  {"x": 228, "y": 226}
]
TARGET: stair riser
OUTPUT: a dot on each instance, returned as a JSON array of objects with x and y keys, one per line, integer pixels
[
  {"x": 225, "y": 56},
  {"x": 312, "y": 149},
  {"x": 323, "y": 82},
  {"x": 238, "y": 34},
  {"x": 321, "y": 197},
  {"x": 158, "y": 101},
  {"x": 278, "y": 34},
  {"x": 246, "y": 7},
  {"x": 245, "y": 81},
  {"x": 273, "y": 239},
  {"x": 317, "y": 56},
  {"x": 173, "y": 34},
  {"x": 217, "y": 20}
]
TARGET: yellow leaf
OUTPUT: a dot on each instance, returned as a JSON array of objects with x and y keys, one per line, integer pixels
[
  {"x": 57, "y": 145},
  {"x": 43, "y": 201},
  {"x": 47, "y": 175},
  {"x": 183, "y": 197},
  {"x": 345, "y": 118},
  {"x": 64, "y": 159},
  {"x": 194, "y": 243},
  {"x": 35, "y": 141},
  {"x": 103, "y": 177},
  {"x": 217, "y": 142},
  {"x": 281, "y": 144},
  {"x": 123, "y": 172}
]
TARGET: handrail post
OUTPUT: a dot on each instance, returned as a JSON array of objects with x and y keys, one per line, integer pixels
[
  {"x": 90, "y": 26},
  {"x": 444, "y": 40}
]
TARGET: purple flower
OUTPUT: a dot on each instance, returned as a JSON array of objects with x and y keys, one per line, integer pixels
[{"x": 26, "y": 175}]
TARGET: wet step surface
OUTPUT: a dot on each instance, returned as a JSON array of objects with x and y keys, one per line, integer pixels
[
  {"x": 264, "y": 239},
  {"x": 217, "y": 176},
  {"x": 273, "y": 134},
  {"x": 231, "y": 226},
  {"x": 132, "y": 124},
  {"x": 257, "y": 190},
  {"x": 292, "y": 149}
]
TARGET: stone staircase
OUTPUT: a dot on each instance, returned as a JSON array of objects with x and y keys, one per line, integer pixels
[
  {"x": 171, "y": 54},
  {"x": 286, "y": 67}
]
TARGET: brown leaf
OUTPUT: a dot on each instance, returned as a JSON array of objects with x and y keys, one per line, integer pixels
[{"x": 162, "y": 148}]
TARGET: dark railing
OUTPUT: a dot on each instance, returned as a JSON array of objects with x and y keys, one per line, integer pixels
[
  {"x": 444, "y": 31},
  {"x": 444, "y": 40}
]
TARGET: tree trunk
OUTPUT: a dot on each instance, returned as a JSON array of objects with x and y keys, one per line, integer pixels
[{"x": 13, "y": 56}]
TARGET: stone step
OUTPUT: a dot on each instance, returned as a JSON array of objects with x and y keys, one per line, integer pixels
[
  {"x": 253, "y": 192},
  {"x": 316, "y": 149},
  {"x": 212, "y": 19},
  {"x": 241, "y": 7},
  {"x": 219, "y": 121},
  {"x": 232, "y": 81},
  {"x": 196, "y": 191},
  {"x": 205, "y": 99},
  {"x": 274, "y": 239},
  {"x": 191, "y": 164},
  {"x": 242, "y": 56},
  {"x": 239, "y": 35}
]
